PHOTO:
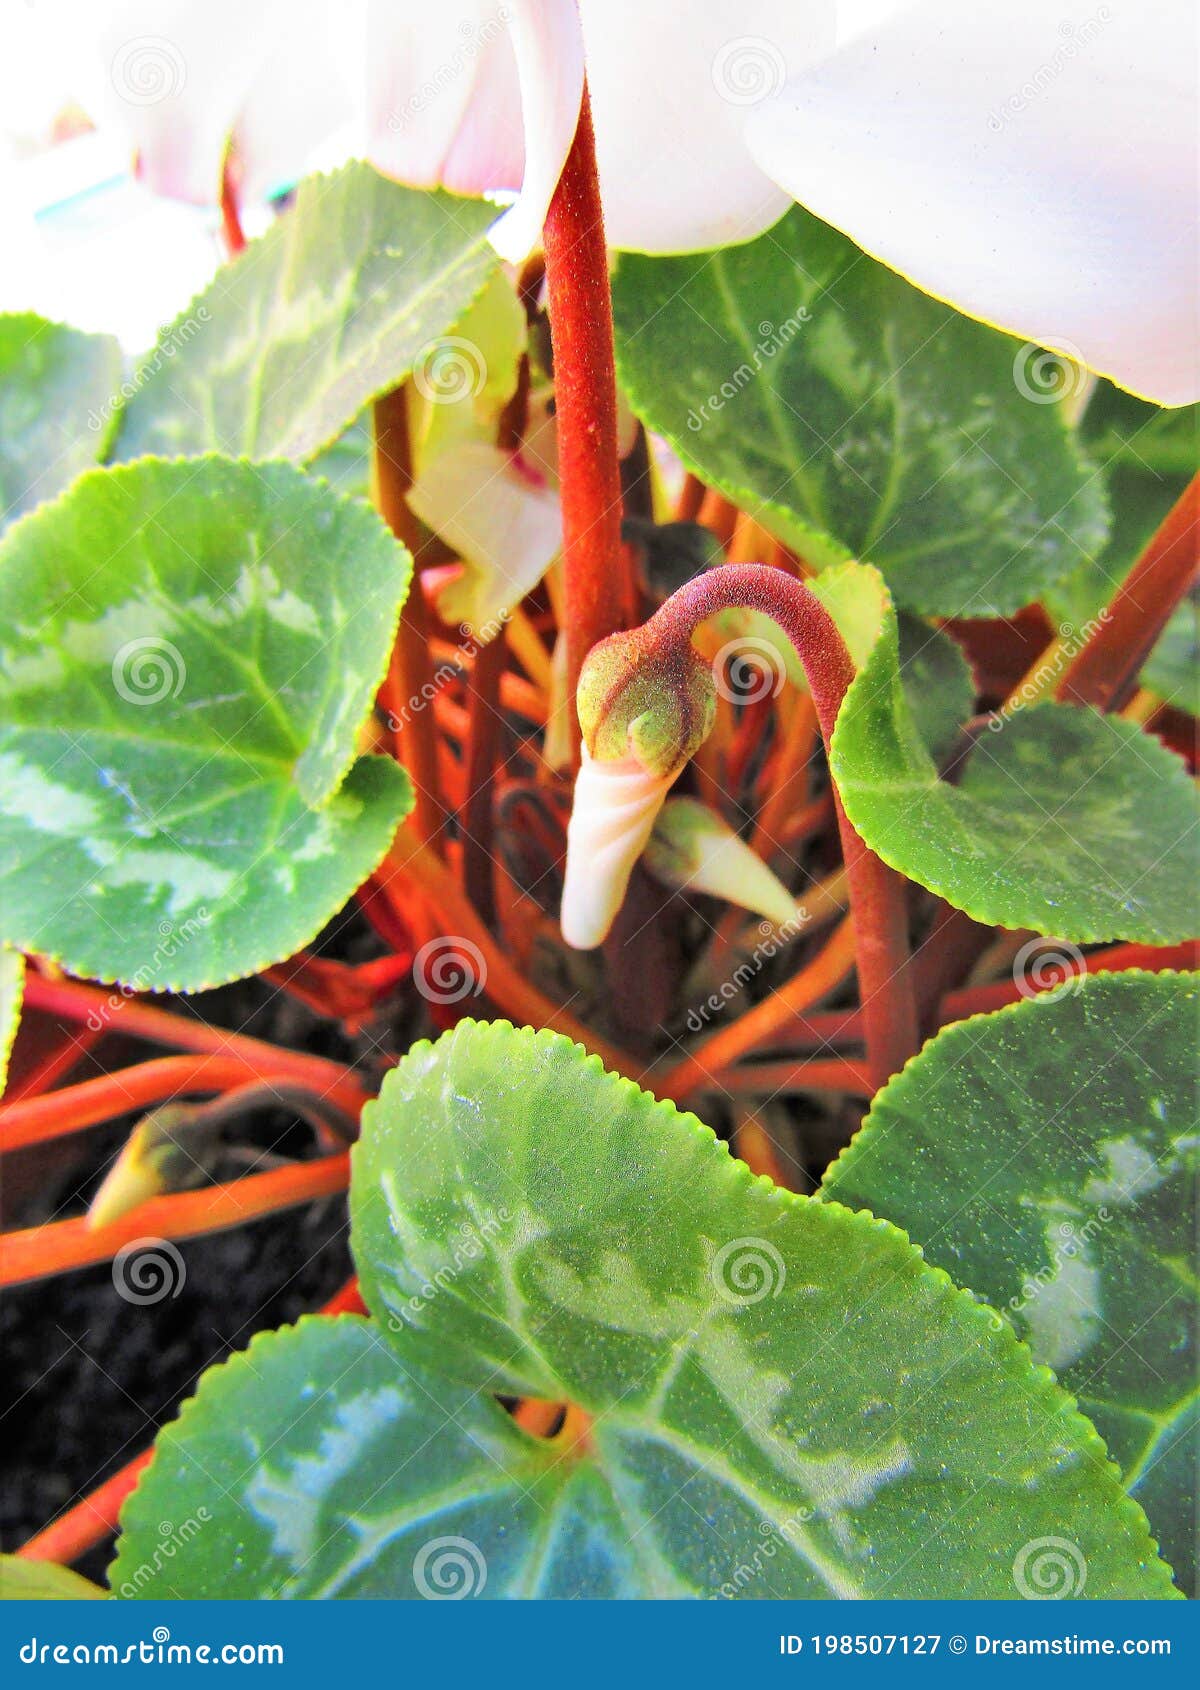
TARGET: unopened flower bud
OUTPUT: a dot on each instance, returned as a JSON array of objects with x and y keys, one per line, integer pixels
[
  {"x": 645, "y": 708},
  {"x": 693, "y": 848}
]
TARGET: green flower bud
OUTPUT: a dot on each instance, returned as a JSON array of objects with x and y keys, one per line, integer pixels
[{"x": 637, "y": 695}]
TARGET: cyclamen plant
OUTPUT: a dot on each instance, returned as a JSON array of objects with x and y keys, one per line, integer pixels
[{"x": 748, "y": 683}]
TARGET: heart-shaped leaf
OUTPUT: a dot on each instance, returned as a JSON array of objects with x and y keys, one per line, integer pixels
[
  {"x": 191, "y": 649},
  {"x": 855, "y": 416},
  {"x": 1047, "y": 1156},
  {"x": 334, "y": 305},
  {"x": 58, "y": 406},
  {"x": 1063, "y": 821},
  {"x": 770, "y": 1396}
]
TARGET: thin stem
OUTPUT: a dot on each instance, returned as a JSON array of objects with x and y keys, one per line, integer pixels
[
  {"x": 111, "y": 1012},
  {"x": 39, "y": 1251},
  {"x": 877, "y": 893},
  {"x": 1105, "y": 672},
  {"x": 480, "y": 754},
  {"x": 585, "y": 391},
  {"x": 410, "y": 676},
  {"x": 981, "y": 1000},
  {"x": 707, "y": 1066},
  {"x": 774, "y": 1079}
]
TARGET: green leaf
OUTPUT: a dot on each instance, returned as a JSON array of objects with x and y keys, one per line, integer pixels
[
  {"x": 755, "y": 1364},
  {"x": 43, "y": 1581},
  {"x": 937, "y": 684},
  {"x": 320, "y": 1465},
  {"x": 332, "y": 307},
  {"x": 191, "y": 649},
  {"x": 1145, "y": 457},
  {"x": 1046, "y": 1156},
  {"x": 773, "y": 1397},
  {"x": 58, "y": 405},
  {"x": 1173, "y": 667},
  {"x": 12, "y": 990},
  {"x": 855, "y": 416},
  {"x": 1063, "y": 821}
]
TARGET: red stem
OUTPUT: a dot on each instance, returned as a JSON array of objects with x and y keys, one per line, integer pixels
[
  {"x": 585, "y": 391},
  {"x": 981, "y": 1000},
  {"x": 479, "y": 758},
  {"x": 1105, "y": 672},
  {"x": 877, "y": 893}
]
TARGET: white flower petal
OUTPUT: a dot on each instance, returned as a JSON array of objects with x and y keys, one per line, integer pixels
[
  {"x": 695, "y": 850},
  {"x": 505, "y": 531},
  {"x": 1034, "y": 165},
  {"x": 299, "y": 113},
  {"x": 614, "y": 810},
  {"x": 480, "y": 96},
  {"x": 672, "y": 88}
]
